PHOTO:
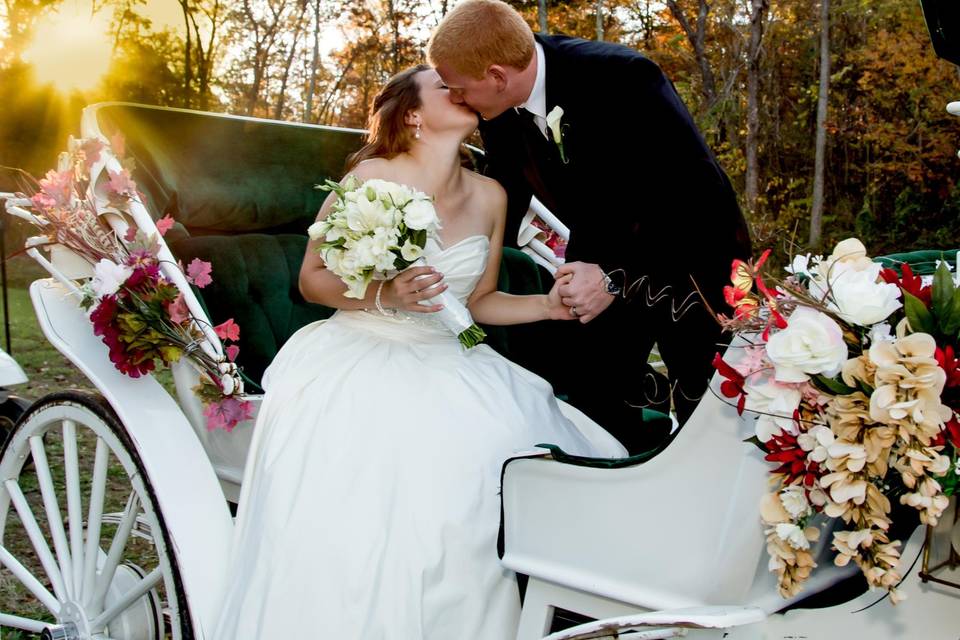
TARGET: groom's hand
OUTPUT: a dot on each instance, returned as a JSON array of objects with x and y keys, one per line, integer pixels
[{"x": 584, "y": 292}]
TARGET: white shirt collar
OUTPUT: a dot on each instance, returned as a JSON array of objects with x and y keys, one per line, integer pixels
[{"x": 537, "y": 102}]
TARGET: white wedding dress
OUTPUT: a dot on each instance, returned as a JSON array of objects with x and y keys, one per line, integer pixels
[{"x": 370, "y": 502}]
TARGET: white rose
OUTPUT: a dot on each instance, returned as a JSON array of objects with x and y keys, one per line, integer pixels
[
  {"x": 420, "y": 214},
  {"x": 858, "y": 296},
  {"x": 411, "y": 251},
  {"x": 812, "y": 343},
  {"x": 793, "y": 535},
  {"x": 794, "y": 500},
  {"x": 108, "y": 277},
  {"x": 776, "y": 404}
]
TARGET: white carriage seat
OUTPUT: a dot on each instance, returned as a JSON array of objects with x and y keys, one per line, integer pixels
[{"x": 680, "y": 530}]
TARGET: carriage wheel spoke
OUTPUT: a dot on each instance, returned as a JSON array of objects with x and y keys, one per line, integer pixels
[
  {"x": 97, "y": 492},
  {"x": 74, "y": 503},
  {"x": 52, "y": 507},
  {"x": 29, "y": 581},
  {"x": 36, "y": 538},
  {"x": 148, "y": 582},
  {"x": 116, "y": 551},
  {"x": 7, "y": 620}
]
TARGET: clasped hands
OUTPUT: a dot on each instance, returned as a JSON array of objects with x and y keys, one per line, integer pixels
[{"x": 580, "y": 288}]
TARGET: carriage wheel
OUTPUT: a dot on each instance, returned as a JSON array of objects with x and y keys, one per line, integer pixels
[{"x": 83, "y": 548}]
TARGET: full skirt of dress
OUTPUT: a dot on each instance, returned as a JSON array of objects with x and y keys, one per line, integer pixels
[{"x": 370, "y": 503}]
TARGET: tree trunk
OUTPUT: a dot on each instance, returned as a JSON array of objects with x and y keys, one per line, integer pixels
[
  {"x": 758, "y": 11},
  {"x": 542, "y": 16},
  {"x": 819, "y": 170},
  {"x": 599, "y": 12},
  {"x": 698, "y": 41},
  {"x": 187, "y": 65},
  {"x": 314, "y": 62}
]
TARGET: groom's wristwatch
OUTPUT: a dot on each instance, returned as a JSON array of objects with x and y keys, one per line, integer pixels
[{"x": 610, "y": 285}]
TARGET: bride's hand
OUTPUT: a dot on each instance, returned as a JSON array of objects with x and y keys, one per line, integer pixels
[
  {"x": 555, "y": 308},
  {"x": 408, "y": 288}
]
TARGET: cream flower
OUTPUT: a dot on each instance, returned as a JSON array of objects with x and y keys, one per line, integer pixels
[{"x": 812, "y": 343}]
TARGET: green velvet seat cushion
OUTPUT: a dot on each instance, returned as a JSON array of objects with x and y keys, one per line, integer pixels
[
  {"x": 225, "y": 174},
  {"x": 922, "y": 263}
]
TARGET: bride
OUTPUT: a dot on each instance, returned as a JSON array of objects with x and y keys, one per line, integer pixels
[{"x": 370, "y": 502}]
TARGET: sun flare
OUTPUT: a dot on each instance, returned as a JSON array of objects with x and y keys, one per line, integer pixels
[{"x": 70, "y": 50}]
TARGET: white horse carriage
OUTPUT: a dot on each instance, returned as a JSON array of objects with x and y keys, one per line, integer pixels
[{"x": 135, "y": 543}]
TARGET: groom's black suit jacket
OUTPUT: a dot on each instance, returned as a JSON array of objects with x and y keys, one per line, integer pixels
[{"x": 641, "y": 191}]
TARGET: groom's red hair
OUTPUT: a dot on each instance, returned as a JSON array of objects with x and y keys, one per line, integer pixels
[{"x": 479, "y": 33}]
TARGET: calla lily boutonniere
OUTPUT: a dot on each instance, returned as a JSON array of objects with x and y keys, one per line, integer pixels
[{"x": 556, "y": 128}]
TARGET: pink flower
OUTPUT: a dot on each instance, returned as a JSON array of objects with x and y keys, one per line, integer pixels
[
  {"x": 91, "y": 148},
  {"x": 228, "y": 330},
  {"x": 178, "y": 310},
  {"x": 198, "y": 272},
  {"x": 232, "y": 352},
  {"x": 121, "y": 184},
  {"x": 55, "y": 190},
  {"x": 164, "y": 224},
  {"x": 131, "y": 234},
  {"x": 227, "y": 413}
]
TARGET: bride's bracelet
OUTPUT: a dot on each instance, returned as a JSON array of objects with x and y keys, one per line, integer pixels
[{"x": 376, "y": 301}]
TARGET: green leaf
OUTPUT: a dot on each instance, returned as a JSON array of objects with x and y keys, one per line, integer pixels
[
  {"x": 943, "y": 291},
  {"x": 952, "y": 326},
  {"x": 831, "y": 385},
  {"x": 918, "y": 315}
]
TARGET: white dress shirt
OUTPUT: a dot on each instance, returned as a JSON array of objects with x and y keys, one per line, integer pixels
[{"x": 537, "y": 102}]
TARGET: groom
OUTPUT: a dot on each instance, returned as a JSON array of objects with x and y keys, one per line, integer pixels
[{"x": 601, "y": 137}]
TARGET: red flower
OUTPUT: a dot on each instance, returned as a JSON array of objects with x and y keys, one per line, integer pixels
[
  {"x": 228, "y": 330},
  {"x": 950, "y": 433},
  {"x": 784, "y": 450},
  {"x": 732, "y": 387},
  {"x": 949, "y": 363},
  {"x": 908, "y": 282}
]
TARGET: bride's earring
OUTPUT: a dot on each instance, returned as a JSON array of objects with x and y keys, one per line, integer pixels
[{"x": 417, "y": 134}]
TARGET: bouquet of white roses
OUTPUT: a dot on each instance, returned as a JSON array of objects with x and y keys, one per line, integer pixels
[{"x": 377, "y": 229}]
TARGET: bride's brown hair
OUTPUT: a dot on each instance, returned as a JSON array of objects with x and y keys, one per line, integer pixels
[{"x": 387, "y": 130}]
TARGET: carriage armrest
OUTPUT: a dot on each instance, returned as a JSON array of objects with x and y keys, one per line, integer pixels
[{"x": 716, "y": 617}]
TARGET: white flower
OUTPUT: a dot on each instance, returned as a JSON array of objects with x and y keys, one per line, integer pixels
[
  {"x": 411, "y": 251},
  {"x": 817, "y": 440},
  {"x": 812, "y": 343},
  {"x": 793, "y": 535},
  {"x": 794, "y": 500},
  {"x": 331, "y": 258},
  {"x": 776, "y": 404},
  {"x": 800, "y": 265},
  {"x": 108, "y": 277},
  {"x": 398, "y": 194},
  {"x": 858, "y": 296},
  {"x": 553, "y": 122},
  {"x": 365, "y": 251},
  {"x": 366, "y": 215},
  {"x": 881, "y": 332},
  {"x": 420, "y": 214}
]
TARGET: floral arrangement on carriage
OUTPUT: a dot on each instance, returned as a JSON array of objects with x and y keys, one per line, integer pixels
[
  {"x": 137, "y": 310},
  {"x": 852, "y": 371}
]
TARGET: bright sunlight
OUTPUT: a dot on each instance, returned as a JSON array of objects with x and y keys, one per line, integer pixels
[{"x": 70, "y": 48}]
